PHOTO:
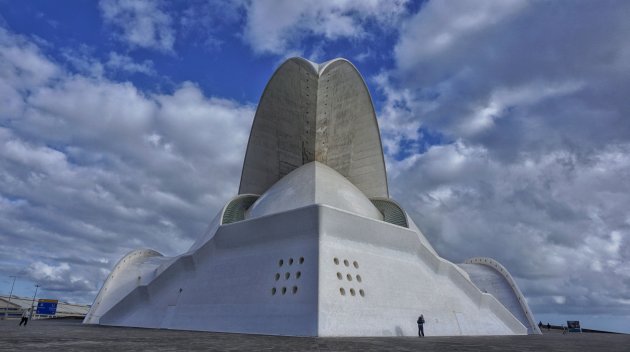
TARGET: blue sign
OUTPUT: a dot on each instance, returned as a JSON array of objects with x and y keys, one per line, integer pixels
[{"x": 47, "y": 307}]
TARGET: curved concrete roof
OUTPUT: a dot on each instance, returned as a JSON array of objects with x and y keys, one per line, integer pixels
[
  {"x": 482, "y": 272},
  {"x": 310, "y": 112},
  {"x": 120, "y": 281},
  {"x": 313, "y": 183}
]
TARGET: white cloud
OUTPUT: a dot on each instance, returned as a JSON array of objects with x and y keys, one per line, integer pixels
[
  {"x": 62, "y": 277},
  {"x": 84, "y": 61},
  {"x": 91, "y": 168},
  {"x": 278, "y": 26},
  {"x": 141, "y": 23},
  {"x": 22, "y": 63},
  {"x": 441, "y": 25},
  {"x": 125, "y": 63},
  {"x": 42, "y": 271},
  {"x": 560, "y": 299},
  {"x": 501, "y": 100},
  {"x": 534, "y": 166}
]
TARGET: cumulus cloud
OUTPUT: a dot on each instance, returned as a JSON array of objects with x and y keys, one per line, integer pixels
[
  {"x": 59, "y": 278},
  {"x": 83, "y": 61},
  {"x": 442, "y": 26},
  {"x": 140, "y": 23},
  {"x": 532, "y": 167},
  {"x": 125, "y": 63},
  {"x": 91, "y": 168},
  {"x": 278, "y": 26},
  {"x": 202, "y": 21}
]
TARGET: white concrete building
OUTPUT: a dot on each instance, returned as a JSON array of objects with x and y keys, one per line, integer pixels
[{"x": 313, "y": 245}]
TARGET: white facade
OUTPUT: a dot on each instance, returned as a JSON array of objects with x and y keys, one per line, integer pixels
[{"x": 317, "y": 249}]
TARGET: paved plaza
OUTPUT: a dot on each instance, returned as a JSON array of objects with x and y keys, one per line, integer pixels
[{"x": 71, "y": 335}]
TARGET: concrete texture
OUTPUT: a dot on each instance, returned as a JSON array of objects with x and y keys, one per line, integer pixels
[
  {"x": 491, "y": 277},
  {"x": 68, "y": 335},
  {"x": 311, "y": 112}
]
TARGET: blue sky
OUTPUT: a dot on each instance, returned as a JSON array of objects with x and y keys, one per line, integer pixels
[{"x": 123, "y": 124}]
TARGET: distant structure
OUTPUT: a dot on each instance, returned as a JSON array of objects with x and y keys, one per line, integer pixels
[
  {"x": 313, "y": 245},
  {"x": 16, "y": 305}
]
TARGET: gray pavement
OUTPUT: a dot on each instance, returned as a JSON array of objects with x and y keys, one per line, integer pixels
[{"x": 71, "y": 335}]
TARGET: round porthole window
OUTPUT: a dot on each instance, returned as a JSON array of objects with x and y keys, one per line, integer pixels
[
  {"x": 284, "y": 290},
  {"x": 356, "y": 265},
  {"x": 336, "y": 261},
  {"x": 359, "y": 278},
  {"x": 301, "y": 260},
  {"x": 298, "y": 274},
  {"x": 349, "y": 277},
  {"x": 287, "y": 276},
  {"x": 290, "y": 261},
  {"x": 294, "y": 290},
  {"x": 352, "y": 291},
  {"x": 277, "y": 276},
  {"x": 339, "y": 276},
  {"x": 342, "y": 291},
  {"x": 346, "y": 262},
  {"x": 273, "y": 291},
  {"x": 280, "y": 262},
  {"x": 362, "y": 293}
]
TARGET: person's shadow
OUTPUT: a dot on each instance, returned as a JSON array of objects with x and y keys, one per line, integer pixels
[{"x": 399, "y": 331}]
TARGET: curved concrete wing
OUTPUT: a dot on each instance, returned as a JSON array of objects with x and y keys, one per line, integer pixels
[
  {"x": 348, "y": 138},
  {"x": 126, "y": 275},
  {"x": 492, "y": 277},
  {"x": 306, "y": 115},
  {"x": 283, "y": 132}
]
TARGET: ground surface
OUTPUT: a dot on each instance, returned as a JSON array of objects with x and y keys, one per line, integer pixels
[{"x": 71, "y": 335}]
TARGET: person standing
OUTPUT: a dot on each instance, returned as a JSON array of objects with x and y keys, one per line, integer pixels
[
  {"x": 25, "y": 315},
  {"x": 421, "y": 326}
]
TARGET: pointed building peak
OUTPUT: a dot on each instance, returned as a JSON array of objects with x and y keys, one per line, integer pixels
[
  {"x": 319, "y": 68},
  {"x": 310, "y": 112}
]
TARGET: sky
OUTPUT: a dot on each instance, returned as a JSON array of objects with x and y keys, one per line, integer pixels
[{"x": 505, "y": 126}]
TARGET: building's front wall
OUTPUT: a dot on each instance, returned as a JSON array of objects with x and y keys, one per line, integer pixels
[
  {"x": 399, "y": 280},
  {"x": 228, "y": 284}
]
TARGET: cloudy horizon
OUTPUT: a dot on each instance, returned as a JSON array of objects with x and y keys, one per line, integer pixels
[{"x": 123, "y": 125}]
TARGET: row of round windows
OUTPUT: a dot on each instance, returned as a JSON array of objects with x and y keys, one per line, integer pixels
[
  {"x": 291, "y": 261},
  {"x": 346, "y": 262},
  {"x": 342, "y": 291},
  {"x": 283, "y": 290},
  {"x": 287, "y": 275},
  {"x": 349, "y": 277}
]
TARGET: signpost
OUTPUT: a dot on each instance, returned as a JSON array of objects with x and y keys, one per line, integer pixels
[
  {"x": 6, "y": 310},
  {"x": 47, "y": 306}
]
